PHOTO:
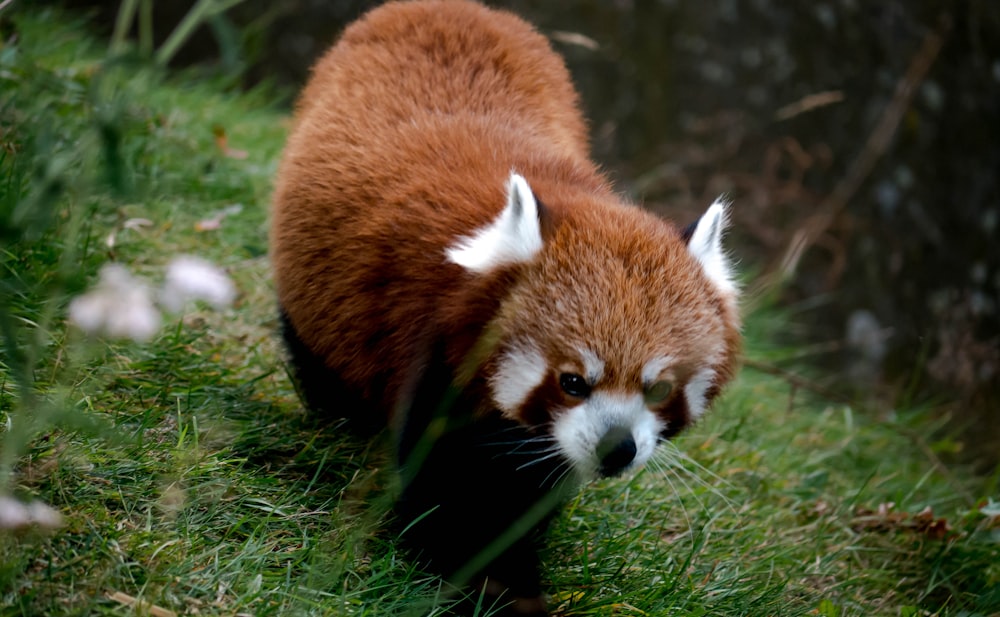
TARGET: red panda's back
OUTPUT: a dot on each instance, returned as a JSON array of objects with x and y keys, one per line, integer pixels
[
  {"x": 402, "y": 142},
  {"x": 445, "y": 57}
]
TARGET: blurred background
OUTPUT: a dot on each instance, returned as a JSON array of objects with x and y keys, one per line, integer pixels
[{"x": 859, "y": 141}]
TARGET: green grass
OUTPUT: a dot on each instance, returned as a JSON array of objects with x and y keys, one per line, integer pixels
[{"x": 190, "y": 478}]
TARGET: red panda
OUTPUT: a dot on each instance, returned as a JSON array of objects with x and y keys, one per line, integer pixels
[{"x": 450, "y": 264}]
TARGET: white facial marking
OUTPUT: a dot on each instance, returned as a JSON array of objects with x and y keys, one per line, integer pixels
[
  {"x": 579, "y": 430},
  {"x": 520, "y": 370},
  {"x": 593, "y": 366},
  {"x": 652, "y": 370},
  {"x": 695, "y": 391},
  {"x": 706, "y": 246},
  {"x": 514, "y": 236}
]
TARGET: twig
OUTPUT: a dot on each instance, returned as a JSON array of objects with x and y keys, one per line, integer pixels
[
  {"x": 140, "y": 606},
  {"x": 809, "y": 103},
  {"x": 574, "y": 38},
  {"x": 875, "y": 147}
]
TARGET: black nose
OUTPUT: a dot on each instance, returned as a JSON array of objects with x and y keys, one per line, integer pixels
[{"x": 616, "y": 451}]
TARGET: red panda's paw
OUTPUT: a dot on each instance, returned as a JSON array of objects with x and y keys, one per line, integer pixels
[
  {"x": 500, "y": 601},
  {"x": 527, "y": 607}
]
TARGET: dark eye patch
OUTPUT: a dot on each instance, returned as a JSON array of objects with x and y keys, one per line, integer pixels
[{"x": 574, "y": 385}]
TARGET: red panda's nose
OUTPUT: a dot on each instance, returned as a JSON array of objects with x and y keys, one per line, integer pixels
[{"x": 616, "y": 450}]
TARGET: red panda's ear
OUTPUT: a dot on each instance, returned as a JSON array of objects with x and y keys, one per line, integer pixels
[
  {"x": 704, "y": 240},
  {"x": 515, "y": 236}
]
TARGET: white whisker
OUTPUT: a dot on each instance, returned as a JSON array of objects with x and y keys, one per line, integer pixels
[
  {"x": 551, "y": 454},
  {"x": 674, "y": 462},
  {"x": 671, "y": 448},
  {"x": 522, "y": 442},
  {"x": 673, "y": 487},
  {"x": 566, "y": 467}
]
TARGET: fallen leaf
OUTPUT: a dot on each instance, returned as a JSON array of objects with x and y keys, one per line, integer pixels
[
  {"x": 924, "y": 522},
  {"x": 136, "y": 224},
  {"x": 208, "y": 224},
  {"x": 215, "y": 221},
  {"x": 133, "y": 224}
]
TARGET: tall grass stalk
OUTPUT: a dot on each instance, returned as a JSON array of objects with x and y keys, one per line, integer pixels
[{"x": 201, "y": 12}]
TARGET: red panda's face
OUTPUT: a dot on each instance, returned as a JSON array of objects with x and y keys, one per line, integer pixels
[{"x": 617, "y": 333}]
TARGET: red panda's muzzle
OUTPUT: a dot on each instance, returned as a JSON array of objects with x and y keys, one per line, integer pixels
[{"x": 615, "y": 451}]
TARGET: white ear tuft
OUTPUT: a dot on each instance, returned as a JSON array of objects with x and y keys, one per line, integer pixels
[
  {"x": 705, "y": 244},
  {"x": 513, "y": 237}
]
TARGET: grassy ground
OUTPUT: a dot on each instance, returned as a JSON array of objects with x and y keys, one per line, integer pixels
[{"x": 190, "y": 481}]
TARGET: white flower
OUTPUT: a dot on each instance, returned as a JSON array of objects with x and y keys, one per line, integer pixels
[
  {"x": 15, "y": 514},
  {"x": 119, "y": 306},
  {"x": 193, "y": 278}
]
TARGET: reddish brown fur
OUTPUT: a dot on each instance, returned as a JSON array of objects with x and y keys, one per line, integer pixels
[{"x": 403, "y": 141}]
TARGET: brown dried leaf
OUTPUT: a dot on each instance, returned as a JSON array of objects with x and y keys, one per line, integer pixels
[
  {"x": 886, "y": 520},
  {"x": 925, "y": 523}
]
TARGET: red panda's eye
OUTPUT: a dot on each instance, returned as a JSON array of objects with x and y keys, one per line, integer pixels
[
  {"x": 574, "y": 385},
  {"x": 658, "y": 392}
]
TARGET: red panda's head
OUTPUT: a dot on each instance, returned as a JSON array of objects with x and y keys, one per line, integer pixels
[{"x": 618, "y": 329}]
